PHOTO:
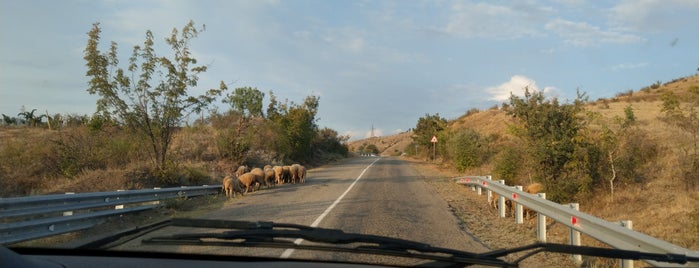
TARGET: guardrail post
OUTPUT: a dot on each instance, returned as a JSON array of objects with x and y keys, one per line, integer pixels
[
  {"x": 119, "y": 206},
  {"x": 68, "y": 213},
  {"x": 541, "y": 223},
  {"x": 626, "y": 263},
  {"x": 488, "y": 195},
  {"x": 157, "y": 202},
  {"x": 519, "y": 219},
  {"x": 501, "y": 203},
  {"x": 575, "y": 235},
  {"x": 479, "y": 190},
  {"x": 488, "y": 192}
]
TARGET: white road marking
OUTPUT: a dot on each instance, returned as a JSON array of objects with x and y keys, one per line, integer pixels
[{"x": 287, "y": 253}]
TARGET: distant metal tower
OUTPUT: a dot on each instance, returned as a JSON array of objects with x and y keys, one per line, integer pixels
[{"x": 372, "y": 130}]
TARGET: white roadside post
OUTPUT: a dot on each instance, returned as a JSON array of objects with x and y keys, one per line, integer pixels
[
  {"x": 68, "y": 213},
  {"x": 575, "y": 235},
  {"x": 122, "y": 205},
  {"x": 626, "y": 263},
  {"x": 519, "y": 219},
  {"x": 501, "y": 203},
  {"x": 541, "y": 223},
  {"x": 434, "y": 148},
  {"x": 488, "y": 192}
]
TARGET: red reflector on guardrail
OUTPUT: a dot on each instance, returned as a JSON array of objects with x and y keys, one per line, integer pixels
[
  {"x": 574, "y": 220},
  {"x": 514, "y": 196},
  {"x": 485, "y": 183}
]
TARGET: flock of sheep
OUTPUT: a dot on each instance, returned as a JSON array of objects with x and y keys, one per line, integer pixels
[{"x": 246, "y": 179}]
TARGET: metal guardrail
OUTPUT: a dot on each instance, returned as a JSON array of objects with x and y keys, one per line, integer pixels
[
  {"x": 612, "y": 234},
  {"x": 31, "y": 217}
]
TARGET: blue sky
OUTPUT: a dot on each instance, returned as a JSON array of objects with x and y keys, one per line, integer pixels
[{"x": 380, "y": 63}]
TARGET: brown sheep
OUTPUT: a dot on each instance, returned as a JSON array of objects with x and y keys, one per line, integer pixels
[
  {"x": 247, "y": 180},
  {"x": 493, "y": 202},
  {"x": 286, "y": 174},
  {"x": 269, "y": 176},
  {"x": 293, "y": 169},
  {"x": 227, "y": 186},
  {"x": 302, "y": 174},
  {"x": 230, "y": 186},
  {"x": 278, "y": 174},
  {"x": 242, "y": 170},
  {"x": 299, "y": 174},
  {"x": 534, "y": 189},
  {"x": 259, "y": 177}
]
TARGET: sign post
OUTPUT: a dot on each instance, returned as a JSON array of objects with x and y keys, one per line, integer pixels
[{"x": 434, "y": 147}]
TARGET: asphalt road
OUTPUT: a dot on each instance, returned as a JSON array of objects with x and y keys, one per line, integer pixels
[{"x": 370, "y": 195}]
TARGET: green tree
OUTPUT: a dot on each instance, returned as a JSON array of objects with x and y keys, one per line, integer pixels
[
  {"x": 295, "y": 127},
  {"x": 427, "y": 127},
  {"x": 329, "y": 141},
  {"x": 246, "y": 101},
  {"x": 234, "y": 141},
  {"x": 9, "y": 120},
  {"x": 550, "y": 130},
  {"x": 151, "y": 96},
  {"x": 371, "y": 149},
  {"x": 507, "y": 163},
  {"x": 670, "y": 105},
  {"x": 31, "y": 119},
  {"x": 301, "y": 128},
  {"x": 466, "y": 149}
]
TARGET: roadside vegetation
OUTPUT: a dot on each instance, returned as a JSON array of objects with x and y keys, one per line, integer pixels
[
  {"x": 144, "y": 134},
  {"x": 576, "y": 148},
  {"x": 631, "y": 157}
]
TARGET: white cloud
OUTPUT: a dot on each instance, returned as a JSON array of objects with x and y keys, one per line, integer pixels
[
  {"x": 515, "y": 86},
  {"x": 653, "y": 15},
  {"x": 496, "y": 21},
  {"x": 582, "y": 34},
  {"x": 627, "y": 66},
  {"x": 345, "y": 39}
]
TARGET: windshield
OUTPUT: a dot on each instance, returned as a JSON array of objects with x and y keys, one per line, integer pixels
[{"x": 348, "y": 115}]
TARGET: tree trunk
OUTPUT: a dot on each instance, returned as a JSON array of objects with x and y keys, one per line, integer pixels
[{"x": 611, "y": 180}]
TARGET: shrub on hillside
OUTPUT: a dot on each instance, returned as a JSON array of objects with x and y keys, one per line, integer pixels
[
  {"x": 466, "y": 148},
  {"x": 507, "y": 163}
]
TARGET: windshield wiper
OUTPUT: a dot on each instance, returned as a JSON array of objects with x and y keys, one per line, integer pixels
[{"x": 281, "y": 235}]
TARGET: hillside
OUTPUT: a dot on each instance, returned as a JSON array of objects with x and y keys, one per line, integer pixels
[
  {"x": 387, "y": 145},
  {"x": 662, "y": 195}
]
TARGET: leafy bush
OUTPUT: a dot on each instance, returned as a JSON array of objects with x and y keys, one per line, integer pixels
[
  {"x": 466, "y": 149},
  {"x": 635, "y": 151},
  {"x": 507, "y": 163},
  {"x": 550, "y": 131}
]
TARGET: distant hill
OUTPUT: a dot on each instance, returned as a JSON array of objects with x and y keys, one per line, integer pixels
[{"x": 387, "y": 145}]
